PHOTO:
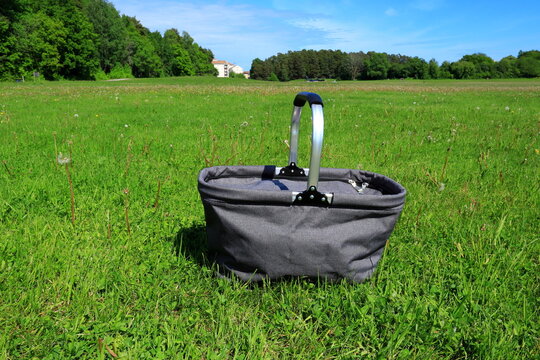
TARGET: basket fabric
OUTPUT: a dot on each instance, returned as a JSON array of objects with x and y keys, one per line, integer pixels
[{"x": 255, "y": 232}]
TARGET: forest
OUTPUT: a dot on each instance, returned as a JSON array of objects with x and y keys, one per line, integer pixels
[
  {"x": 335, "y": 64},
  {"x": 89, "y": 39}
]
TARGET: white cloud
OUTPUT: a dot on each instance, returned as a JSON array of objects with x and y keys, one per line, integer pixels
[
  {"x": 236, "y": 33},
  {"x": 241, "y": 32},
  {"x": 391, "y": 12},
  {"x": 326, "y": 29}
]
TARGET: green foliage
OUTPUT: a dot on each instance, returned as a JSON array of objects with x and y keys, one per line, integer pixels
[
  {"x": 8, "y": 58},
  {"x": 111, "y": 33},
  {"x": 177, "y": 61},
  {"x": 233, "y": 75},
  {"x": 463, "y": 69},
  {"x": 445, "y": 70},
  {"x": 507, "y": 68},
  {"x": 141, "y": 53},
  {"x": 273, "y": 77},
  {"x": 528, "y": 63},
  {"x": 377, "y": 66},
  {"x": 100, "y": 75},
  {"x": 40, "y": 42},
  {"x": 85, "y": 39},
  {"x": 418, "y": 68},
  {"x": 484, "y": 65},
  {"x": 354, "y": 65},
  {"x": 120, "y": 71},
  {"x": 79, "y": 56},
  {"x": 433, "y": 69},
  {"x": 259, "y": 70}
]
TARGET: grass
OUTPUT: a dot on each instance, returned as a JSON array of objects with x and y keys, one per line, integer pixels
[{"x": 129, "y": 278}]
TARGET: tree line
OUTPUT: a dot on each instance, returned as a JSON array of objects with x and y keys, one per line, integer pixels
[
  {"x": 336, "y": 64},
  {"x": 89, "y": 39}
]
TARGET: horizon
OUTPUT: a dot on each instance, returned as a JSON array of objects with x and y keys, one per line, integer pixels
[{"x": 239, "y": 31}]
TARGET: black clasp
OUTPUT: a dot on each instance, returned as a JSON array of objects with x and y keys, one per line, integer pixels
[
  {"x": 311, "y": 197},
  {"x": 292, "y": 170}
]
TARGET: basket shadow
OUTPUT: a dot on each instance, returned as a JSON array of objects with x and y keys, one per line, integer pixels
[{"x": 190, "y": 242}]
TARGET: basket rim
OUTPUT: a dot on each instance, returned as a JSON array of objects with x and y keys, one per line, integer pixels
[{"x": 211, "y": 190}]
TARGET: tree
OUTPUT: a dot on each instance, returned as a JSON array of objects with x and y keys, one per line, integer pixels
[
  {"x": 176, "y": 60},
  {"x": 376, "y": 66},
  {"x": 8, "y": 57},
  {"x": 397, "y": 71},
  {"x": 142, "y": 56},
  {"x": 280, "y": 66},
  {"x": 111, "y": 42},
  {"x": 507, "y": 68},
  {"x": 528, "y": 63},
  {"x": 39, "y": 41},
  {"x": 79, "y": 55},
  {"x": 355, "y": 64},
  {"x": 463, "y": 69},
  {"x": 297, "y": 65},
  {"x": 483, "y": 65},
  {"x": 81, "y": 39},
  {"x": 202, "y": 60},
  {"x": 433, "y": 69},
  {"x": 417, "y": 68},
  {"x": 259, "y": 70},
  {"x": 445, "y": 70},
  {"x": 76, "y": 50},
  {"x": 311, "y": 64}
]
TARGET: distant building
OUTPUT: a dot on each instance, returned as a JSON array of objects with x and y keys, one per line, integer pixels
[{"x": 224, "y": 68}]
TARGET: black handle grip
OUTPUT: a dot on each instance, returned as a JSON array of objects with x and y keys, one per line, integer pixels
[{"x": 311, "y": 98}]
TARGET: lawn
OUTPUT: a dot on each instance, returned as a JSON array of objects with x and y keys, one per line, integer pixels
[{"x": 127, "y": 276}]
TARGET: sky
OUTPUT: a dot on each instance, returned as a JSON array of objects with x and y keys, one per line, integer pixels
[{"x": 241, "y": 30}]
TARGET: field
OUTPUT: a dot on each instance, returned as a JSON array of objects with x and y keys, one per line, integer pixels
[{"x": 124, "y": 273}]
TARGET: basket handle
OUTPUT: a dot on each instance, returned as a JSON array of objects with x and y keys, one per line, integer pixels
[{"x": 316, "y": 104}]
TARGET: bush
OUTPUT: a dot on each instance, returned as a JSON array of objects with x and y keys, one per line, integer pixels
[
  {"x": 273, "y": 77},
  {"x": 234, "y": 75},
  {"x": 120, "y": 72},
  {"x": 100, "y": 75}
]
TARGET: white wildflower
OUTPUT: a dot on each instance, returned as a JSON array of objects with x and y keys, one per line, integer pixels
[
  {"x": 63, "y": 160},
  {"x": 507, "y": 108},
  {"x": 441, "y": 186},
  {"x": 76, "y": 115},
  {"x": 245, "y": 123},
  {"x": 126, "y": 125}
]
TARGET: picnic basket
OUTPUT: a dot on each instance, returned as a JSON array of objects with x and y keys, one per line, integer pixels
[{"x": 267, "y": 222}]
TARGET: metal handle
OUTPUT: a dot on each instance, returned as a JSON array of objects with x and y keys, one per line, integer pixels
[{"x": 316, "y": 104}]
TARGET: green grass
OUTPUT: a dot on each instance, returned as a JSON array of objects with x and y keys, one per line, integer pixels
[{"x": 459, "y": 278}]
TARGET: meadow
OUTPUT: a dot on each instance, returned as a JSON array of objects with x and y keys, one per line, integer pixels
[{"x": 102, "y": 248}]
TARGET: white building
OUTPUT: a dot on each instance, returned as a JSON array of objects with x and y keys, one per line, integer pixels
[{"x": 224, "y": 68}]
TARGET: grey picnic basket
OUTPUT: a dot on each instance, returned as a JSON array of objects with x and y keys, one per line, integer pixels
[{"x": 270, "y": 222}]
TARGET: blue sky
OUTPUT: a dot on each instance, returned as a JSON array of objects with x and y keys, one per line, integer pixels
[{"x": 240, "y": 30}]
